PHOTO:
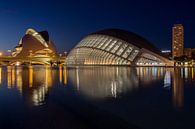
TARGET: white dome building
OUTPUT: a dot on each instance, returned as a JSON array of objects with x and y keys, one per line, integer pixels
[{"x": 116, "y": 47}]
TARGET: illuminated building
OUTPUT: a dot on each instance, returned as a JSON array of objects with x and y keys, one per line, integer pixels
[
  {"x": 35, "y": 44},
  {"x": 177, "y": 40},
  {"x": 166, "y": 53},
  {"x": 188, "y": 52},
  {"x": 116, "y": 47}
]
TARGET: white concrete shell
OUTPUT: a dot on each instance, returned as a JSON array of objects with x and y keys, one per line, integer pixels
[
  {"x": 116, "y": 47},
  {"x": 35, "y": 44}
]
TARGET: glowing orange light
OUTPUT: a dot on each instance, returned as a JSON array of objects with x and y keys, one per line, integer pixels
[{"x": 30, "y": 76}]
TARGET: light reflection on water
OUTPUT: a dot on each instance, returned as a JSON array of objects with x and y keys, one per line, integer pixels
[
  {"x": 34, "y": 82},
  {"x": 102, "y": 82},
  {"x": 144, "y": 96}
]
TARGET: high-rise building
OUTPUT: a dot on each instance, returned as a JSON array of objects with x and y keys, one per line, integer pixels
[{"x": 177, "y": 40}]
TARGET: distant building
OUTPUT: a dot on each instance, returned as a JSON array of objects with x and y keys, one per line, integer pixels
[
  {"x": 188, "y": 52},
  {"x": 35, "y": 44},
  {"x": 177, "y": 40},
  {"x": 166, "y": 53}
]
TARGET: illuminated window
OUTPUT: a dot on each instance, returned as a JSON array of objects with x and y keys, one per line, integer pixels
[
  {"x": 106, "y": 44},
  {"x": 122, "y": 48},
  {"x": 116, "y": 47},
  {"x": 127, "y": 52},
  {"x": 133, "y": 55},
  {"x": 102, "y": 42},
  {"x": 111, "y": 45}
]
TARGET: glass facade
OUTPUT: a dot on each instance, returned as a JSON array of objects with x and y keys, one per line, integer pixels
[{"x": 99, "y": 49}]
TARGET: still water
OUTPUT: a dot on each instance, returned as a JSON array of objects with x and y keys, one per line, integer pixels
[{"x": 42, "y": 97}]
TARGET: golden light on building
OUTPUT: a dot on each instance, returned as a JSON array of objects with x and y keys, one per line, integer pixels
[
  {"x": 177, "y": 40},
  {"x": 35, "y": 44},
  {"x": 30, "y": 76}
]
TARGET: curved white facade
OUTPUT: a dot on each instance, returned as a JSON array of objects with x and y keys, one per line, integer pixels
[
  {"x": 103, "y": 49},
  {"x": 35, "y": 44}
]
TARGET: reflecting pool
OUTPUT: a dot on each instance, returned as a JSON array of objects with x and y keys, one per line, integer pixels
[{"x": 44, "y": 97}]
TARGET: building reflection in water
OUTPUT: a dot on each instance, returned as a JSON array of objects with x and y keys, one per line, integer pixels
[
  {"x": 192, "y": 69},
  {"x": 101, "y": 82},
  {"x": 148, "y": 74},
  {"x": 179, "y": 75},
  {"x": 167, "y": 80},
  {"x": 0, "y": 75},
  {"x": 19, "y": 79},
  {"x": 9, "y": 76},
  {"x": 30, "y": 76},
  {"x": 65, "y": 75},
  {"x": 60, "y": 74},
  {"x": 48, "y": 76},
  {"x": 39, "y": 93},
  {"x": 32, "y": 82},
  {"x": 178, "y": 88}
]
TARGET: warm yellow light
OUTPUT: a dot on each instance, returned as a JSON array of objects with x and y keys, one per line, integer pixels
[
  {"x": 1, "y": 54},
  {"x": 48, "y": 76},
  {"x": 30, "y": 76},
  {"x": 19, "y": 79},
  {"x": 65, "y": 76},
  {"x": 13, "y": 76},
  {"x": 17, "y": 63},
  {"x": 60, "y": 73},
  {"x": 9, "y": 74},
  {"x": 0, "y": 76}
]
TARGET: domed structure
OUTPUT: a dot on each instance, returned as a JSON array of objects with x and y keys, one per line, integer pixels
[
  {"x": 35, "y": 44},
  {"x": 116, "y": 47}
]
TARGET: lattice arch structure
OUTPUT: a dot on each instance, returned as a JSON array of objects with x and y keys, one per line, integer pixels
[{"x": 107, "y": 49}]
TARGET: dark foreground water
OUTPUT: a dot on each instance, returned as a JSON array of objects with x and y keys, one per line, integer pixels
[{"x": 39, "y": 97}]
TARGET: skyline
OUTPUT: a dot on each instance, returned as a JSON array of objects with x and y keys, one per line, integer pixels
[{"x": 67, "y": 22}]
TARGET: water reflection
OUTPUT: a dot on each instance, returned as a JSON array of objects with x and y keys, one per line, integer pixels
[
  {"x": 19, "y": 79},
  {"x": 9, "y": 76},
  {"x": 0, "y": 75},
  {"x": 30, "y": 76},
  {"x": 32, "y": 82},
  {"x": 178, "y": 88},
  {"x": 101, "y": 82},
  {"x": 167, "y": 80},
  {"x": 149, "y": 74},
  {"x": 65, "y": 75}
]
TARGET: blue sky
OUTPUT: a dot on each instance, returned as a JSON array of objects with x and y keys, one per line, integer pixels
[{"x": 68, "y": 21}]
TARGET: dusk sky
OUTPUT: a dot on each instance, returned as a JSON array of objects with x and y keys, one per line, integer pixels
[{"x": 68, "y": 21}]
